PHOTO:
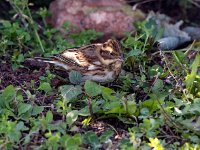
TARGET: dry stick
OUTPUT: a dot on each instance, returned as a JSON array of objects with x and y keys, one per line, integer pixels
[
  {"x": 168, "y": 117},
  {"x": 163, "y": 131},
  {"x": 34, "y": 29},
  {"x": 194, "y": 3},
  {"x": 169, "y": 136},
  {"x": 171, "y": 131},
  {"x": 167, "y": 51},
  {"x": 166, "y": 136},
  {"x": 151, "y": 87},
  {"x": 170, "y": 141},
  {"x": 166, "y": 63},
  {"x": 165, "y": 114},
  {"x": 113, "y": 128},
  {"x": 90, "y": 107},
  {"x": 180, "y": 50}
]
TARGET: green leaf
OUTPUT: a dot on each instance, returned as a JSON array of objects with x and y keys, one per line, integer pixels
[
  {"x": 75, "y": 77},
  {"x": 131, "y": 107},
  {"x": 6, "y": 24},
  {"x": 135, "y": 52},
  {"x": 92, "y": 139},
  {"x": 27, "y": 139},
  {"x": 194, "y": 139},
  {"x": 7, "y": 96},
  {"x": 195, "y": 108},
  {"x": 154, "y": 70},
  {"x": 92, "y": 88},
  {"x": 45, "y": 86},
  {"x": 107, "y": 94},
  {"x": 13, "y": 131},
  {"x": 151, "y": 105},
  {"x": 20, "y": 58},
  {"x": 69, "y": 92},
  {"x": 125, "y": 144},
  {"x": 84, "y": 111},
  {"x": 37, "y": 110},
  {"x": 71, "y": 142},
  {"x": 114, "y": 107},
  {"x": 49, "y": 116},
  {"x": 191, "y": 77},
  {"x": 106, "y": 135},
  {"x": 144, "y": 111},
  {"x": 179, "y": 57},
  {"x": 157, "y": 86},
  {"x": 20, "y": 126},
  {"x": 72, "y": 117},
  {"x": 52, "y": 140},
  {"x": 23, "y": 108}
]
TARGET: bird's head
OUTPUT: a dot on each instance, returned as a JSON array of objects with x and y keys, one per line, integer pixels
[{"x": 113, "y": 48}]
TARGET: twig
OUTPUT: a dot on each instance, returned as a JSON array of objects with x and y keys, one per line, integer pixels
[
  {"x": 112, "y": 128},
  {"x": 151, "y": 87},
  {"x": 194, "y": 3},
  {"x": 34, "y": 29},
  {"x": 166, "y": 63},
  {"x": 29, "y": 19},
  {"x": 167, "y": 116},
  {"x": 169, "y": 136},
  {"x": 90, "y": 107}
]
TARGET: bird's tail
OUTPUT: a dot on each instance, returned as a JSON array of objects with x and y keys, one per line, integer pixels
[
  {"x": 51, "y": 60},
  {"x": 55, "y": 60}
]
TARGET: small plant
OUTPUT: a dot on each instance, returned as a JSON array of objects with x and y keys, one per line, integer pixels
[{"x": 153, "y": 101}]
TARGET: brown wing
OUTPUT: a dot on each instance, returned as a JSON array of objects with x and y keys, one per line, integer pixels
[
  {"x": 77, "y": 57},
  {"x": 88, "y": 50},
  {"x": 84, "y": 55}
]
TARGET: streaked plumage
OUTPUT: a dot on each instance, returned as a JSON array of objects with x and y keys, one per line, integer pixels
[{"x": 98, "y": 62}]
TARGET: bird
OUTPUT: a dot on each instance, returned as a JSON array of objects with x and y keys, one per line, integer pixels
[{"x": 100, "y": 62}]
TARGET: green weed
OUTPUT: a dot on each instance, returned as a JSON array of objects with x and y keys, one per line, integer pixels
[{"x": 155, "y": 103}]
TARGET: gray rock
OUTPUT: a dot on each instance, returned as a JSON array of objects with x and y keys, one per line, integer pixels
[{"x": 107, "y": 16}]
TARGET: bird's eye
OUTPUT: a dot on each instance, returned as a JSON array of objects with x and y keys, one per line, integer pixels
[{"x": 104, "y": 45}]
